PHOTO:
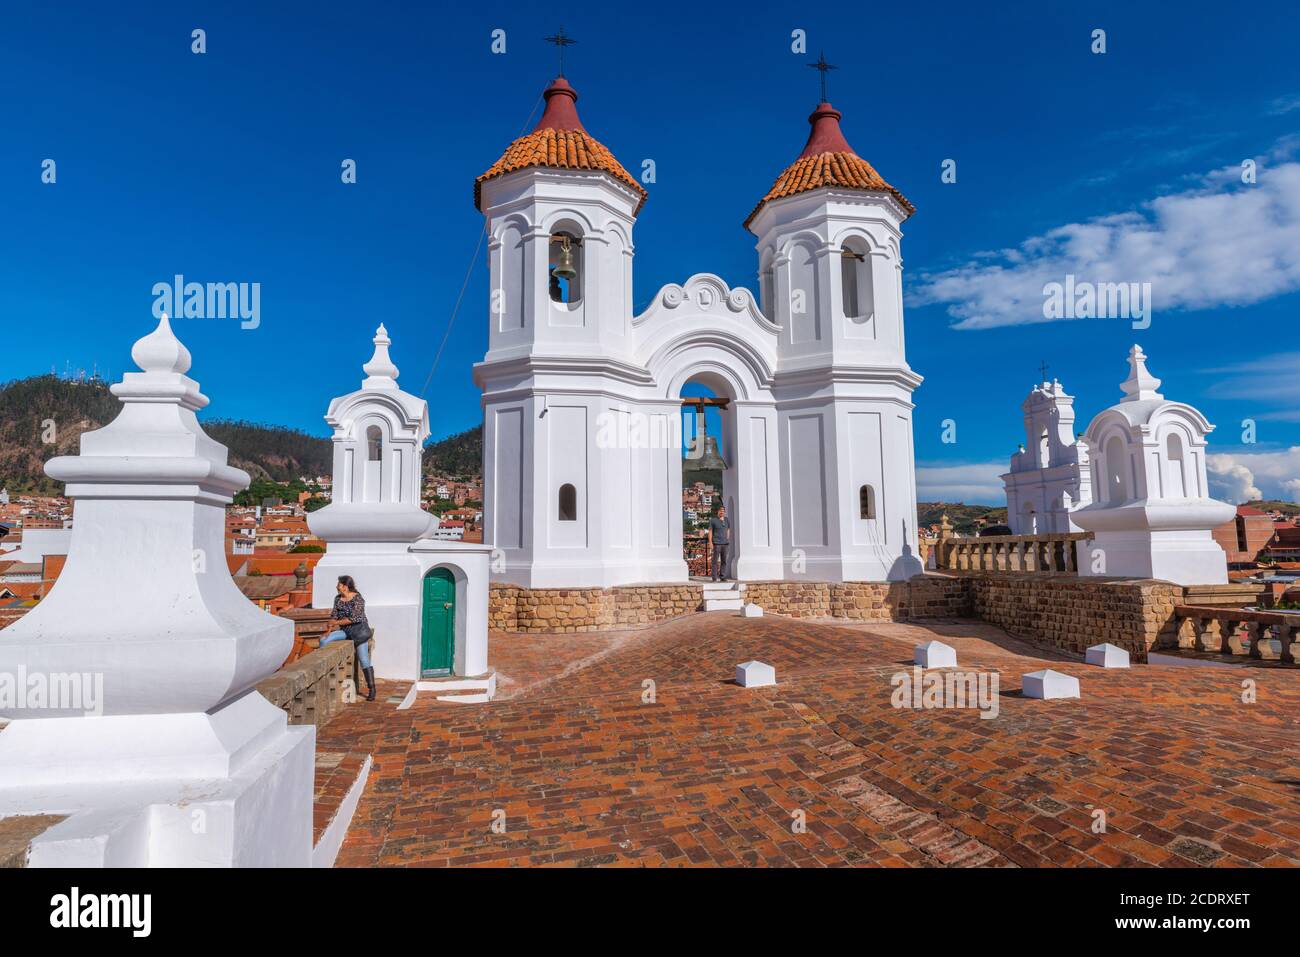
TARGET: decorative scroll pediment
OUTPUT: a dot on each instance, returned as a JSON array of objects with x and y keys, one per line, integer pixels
[{"x": 708, "y": 295}]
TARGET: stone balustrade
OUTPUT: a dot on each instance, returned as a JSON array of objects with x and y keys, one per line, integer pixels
[
  {"x": 1235, "y": 631},
  {"x": 315, "y": 687},
  {"x": 1023, "y": 554}
]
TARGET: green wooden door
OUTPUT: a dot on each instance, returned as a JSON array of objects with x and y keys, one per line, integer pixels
[{"x": 438, "y": 624}]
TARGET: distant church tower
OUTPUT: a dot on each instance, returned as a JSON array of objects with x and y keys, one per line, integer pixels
[{"x": 1050, "y": 475}]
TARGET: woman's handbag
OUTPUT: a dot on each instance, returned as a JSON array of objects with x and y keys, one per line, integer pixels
[{"x": 359, "y": 633}]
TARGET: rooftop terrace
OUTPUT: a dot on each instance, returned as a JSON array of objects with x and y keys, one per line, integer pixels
[{"x": 710, "y": 773}]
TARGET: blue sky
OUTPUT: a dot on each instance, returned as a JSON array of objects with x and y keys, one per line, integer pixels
[{"x": 225, "y": 167}]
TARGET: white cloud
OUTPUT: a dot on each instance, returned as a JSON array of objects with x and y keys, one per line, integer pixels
[
  {"x": 1220, "y": 243},
  {"x": 1268, "y": 379},
  {"x": 979, "y": 482},
  {"x": 1242, "y": 476},
  {"x": 1285, "y": 104}
]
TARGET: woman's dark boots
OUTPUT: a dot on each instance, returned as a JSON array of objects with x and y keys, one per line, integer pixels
[{"x": 370, "y": 683}]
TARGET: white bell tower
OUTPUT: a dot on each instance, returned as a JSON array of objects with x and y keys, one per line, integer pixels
[
  {"x": 829, "y": 234},
  {"x": 560, "y": 211}
]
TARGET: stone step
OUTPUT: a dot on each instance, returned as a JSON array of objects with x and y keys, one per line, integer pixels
[
  {"x": 473, "y": 690},
  {"x": 724, "y": 604},
  {"x": 722, "y": 589},
  {"x": 465, "y": 698}
]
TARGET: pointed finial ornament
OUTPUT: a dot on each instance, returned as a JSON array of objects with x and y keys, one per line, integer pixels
[
  {"x": 380, "y": 365},
  {"x": 1140, "y": 384},
  {"x": 161, "y": 351}
]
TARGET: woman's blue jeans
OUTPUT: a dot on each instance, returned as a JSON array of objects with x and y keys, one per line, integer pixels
[{"x": 363, "y": 649}]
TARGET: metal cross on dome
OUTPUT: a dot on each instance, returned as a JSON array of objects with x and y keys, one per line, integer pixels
[
  {"x": 561, "y": 40},
  {"x": 1042, "y": 370},
  {"x": 822, "y": 66}
]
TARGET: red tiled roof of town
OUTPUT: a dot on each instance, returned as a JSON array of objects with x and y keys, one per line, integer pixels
[
  {"x": 26, "y": 590},
  {"x": 283, "y": 564},
  {"x": 1248, "y": 510},
  {"x": 54, "y": 567},
  {"x": 828, "y": 160},
  {"x": 559, "y": 142},
  {"x": 264, "y": 587},
  {"x": 235, "y": 563}
]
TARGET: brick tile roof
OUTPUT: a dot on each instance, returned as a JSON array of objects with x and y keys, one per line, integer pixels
[
  {"x": 559, "y": 142},
  {"x": 828, "y": 160}
]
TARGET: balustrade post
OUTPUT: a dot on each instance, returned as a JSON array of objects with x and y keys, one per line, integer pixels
[
  {"x": 1209, "y": 635},
  {"x": 1238, "y": 638}
]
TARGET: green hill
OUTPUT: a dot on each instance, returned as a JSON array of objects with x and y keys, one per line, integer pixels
[
  {"x": 45, "y": 416},
  {"x": 962, "y": 516},
  {"x": 459, "y": 454}
]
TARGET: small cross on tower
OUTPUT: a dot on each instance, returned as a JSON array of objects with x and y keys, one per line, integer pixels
[
  {"x": 561, "y": 40},
  {"x": 1042, "y": 369},
  {"x": 822, "y": 66}
]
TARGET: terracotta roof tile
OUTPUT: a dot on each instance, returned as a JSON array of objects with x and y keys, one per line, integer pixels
[
  {"x": 559, "y": 142},
  {"x": 827, "y": 160}
]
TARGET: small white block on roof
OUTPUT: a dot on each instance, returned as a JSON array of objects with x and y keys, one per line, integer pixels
[
  {"x": 935, "y": 654},
  {"x": 755, "y": 674},
  {"x": 1047, "y": 684},
  {"x": 1107, "y": 655}
]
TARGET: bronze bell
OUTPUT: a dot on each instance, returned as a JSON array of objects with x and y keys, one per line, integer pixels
[
  {"x": 565, "y": 268},
  {"x": 702, "y": 450}
]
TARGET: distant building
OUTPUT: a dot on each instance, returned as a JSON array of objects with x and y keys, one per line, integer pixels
[
  {"x": 1245, "y": 537},
  {"x": 451, "y": 531},
  {"x": 1285, "y": 544}
]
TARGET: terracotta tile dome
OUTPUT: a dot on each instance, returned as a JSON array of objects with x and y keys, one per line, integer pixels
[
  {"x": 827, "y": 160},
  {"x": 559, "y": 142}
]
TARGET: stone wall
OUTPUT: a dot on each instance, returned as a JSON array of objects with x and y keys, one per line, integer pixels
[
  {"x": 933, "y": 596},
  {"x": 1071, "y": 612},
  {"x": 568, "y": 610},
  {"x": 1064, "y": 611}
]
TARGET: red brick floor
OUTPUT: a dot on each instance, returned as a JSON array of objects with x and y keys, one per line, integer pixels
[{"x": 581, "y": 772}]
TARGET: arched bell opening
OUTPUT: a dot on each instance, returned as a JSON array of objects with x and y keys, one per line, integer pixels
[{"x": 708, "y": 479}]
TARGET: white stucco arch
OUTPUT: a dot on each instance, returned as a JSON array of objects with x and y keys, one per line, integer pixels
[{"x": 735, "y": 360}]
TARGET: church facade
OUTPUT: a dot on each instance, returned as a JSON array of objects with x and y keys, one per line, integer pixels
[
  {"x": 1050, "y": 475},
  {"x": 583, "y": 398}
]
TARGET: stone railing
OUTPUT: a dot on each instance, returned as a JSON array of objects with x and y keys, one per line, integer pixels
[
  {"x": 1235, "y": 631},
  {"x": 1023, "y": 554},
  {"x": 316, "y": 686},
  {"x": 309, "y": 627}
]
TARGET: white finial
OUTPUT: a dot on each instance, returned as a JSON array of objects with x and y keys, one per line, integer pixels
[
  {"x": 161, "y": 351},
  {"x": 1140, "y": 384},
  {"x": 380, "y": 365}
]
